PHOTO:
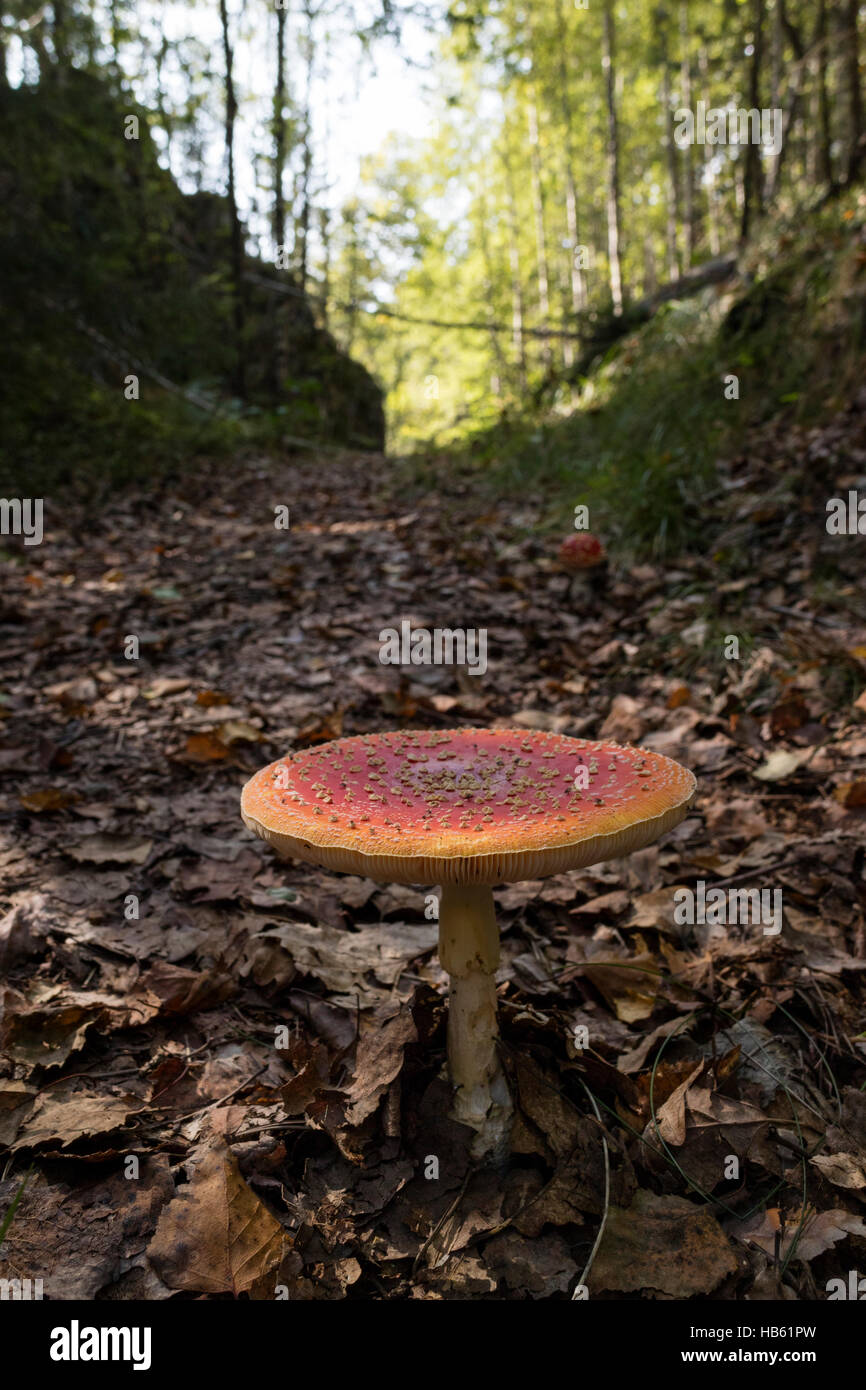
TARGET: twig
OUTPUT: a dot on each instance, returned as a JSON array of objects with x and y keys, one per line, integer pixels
[
  {"x": 804, "y": 617},
  {"x": 441, "y": 1222},
  {"x": 215, "y": 1104},
  {"x": 594, "y": 1251}
]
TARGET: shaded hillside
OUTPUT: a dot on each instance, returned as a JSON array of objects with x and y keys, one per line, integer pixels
[{"x": 110, "y": 271}]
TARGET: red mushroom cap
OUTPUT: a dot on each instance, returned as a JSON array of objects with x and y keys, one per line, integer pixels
[
  {"x": 464, "y": 805},
  {"x": 581, "y": 551}
]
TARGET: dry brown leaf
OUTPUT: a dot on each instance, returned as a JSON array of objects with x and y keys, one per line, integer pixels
[
  {"x": 209, "y": 698},
  {"x": 851, "y": 795},
  {"x": 238, "y": 731},
  {"x": 63, "y": 1117},
  {"x": 343, "y": 960},
  {"x": 110, "y": 849},
  {"x": 842, "y": 1170},
  {"x": 205, "y": 748},
  {"x": 629, "y": 986},
  {"x": 216, "y": 1236},
  {"x": 378, "y": 1061},
  {"x": 44, "y": 1034},
  {"x": 671, "y": 1118},
  {"x": 541, "y": 1267},
  {"x": 820, "y": 1232},
  {"x": 662, "y": 1244},
  {"x": 166, "y": 685},
  {"x": 80, "y": 1242},
  {"x": 49, "y": 799}
]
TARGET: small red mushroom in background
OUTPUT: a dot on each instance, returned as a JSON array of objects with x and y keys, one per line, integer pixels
[
  {"x": 585, "y": 559},
  {"x": 582, "y": 551}
]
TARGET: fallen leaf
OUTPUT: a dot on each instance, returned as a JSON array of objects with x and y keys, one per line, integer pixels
[
  {"x": 205, "y": 748},
  {"x": 216, "y": 1236},
  {"x": 49, "y": 799},
  {"x": 781, "y": 764},
  {"x": 852, "y": 795},
  {"x": 82, "y": 1242},
  {"x": 671, "y": 1116},
  {"x": 662, "y": 1244},
  {"x": 44, "y": 1035},
  {"x": 342, "y": 960},
  {"x": 110, "y": 849},
  {"x": 166, "y": 685},
  {"x": 541, "y": 1267},
  {"x": 238, "y": 731},
  {"x": 23, "y": 929},
  {"x": 62, "y": 1118},
  {"x": 208, "y": 698},
  {"x": 629, "y": 985},
  {"x": 16, "y": 1103},
  {"x": 378, "y": 1060},
  {"x": 842, "y": 1170},
  {"x": 819, "y": 1233}
]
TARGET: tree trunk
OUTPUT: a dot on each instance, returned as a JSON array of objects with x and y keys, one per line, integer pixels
[
  {"x": 501, "y": 373},
  {"x": 709, "y": 173},
  {"x": 59, "y": 35},
  {"x": 851, "y": 49},
  {"x": 325, "y": 238},
  {"x": 282, "y": 308},
  {"x": 576, "y": 276},
  {"x": 159, "y": 93},
  {"x": 114, "y": 30},
  {"x": 776, "y": 52},
  {"x": 672, "y": 200},
  {"x": 279, "y": 216},
  {"x": 688, "y": 169},
  {"x": 791, "y": 103},
  {"x": 613, "y": 213},
  {"x": 776, "y": 103},
  {"x": 650, "y": 277},
  {"x": 540, "y": 237},
  {"x": 237, "y": 248},
  {"x": 303, "y": 225},
  {"x": 350, "y": 220},
  {"x": 517, "y": 310},
  {"x": 823, "y": 158},
  {"x": 752, "y": 173}
]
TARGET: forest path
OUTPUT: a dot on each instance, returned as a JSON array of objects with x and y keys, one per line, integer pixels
[{"x": 159, "y": 652}]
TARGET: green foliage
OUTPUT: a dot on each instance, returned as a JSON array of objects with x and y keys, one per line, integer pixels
[
  {"x": 638, "y": 449},
  {"x": 110, "y": 271},
  {"x": 497, "y": 221},
  {"x": 640, "y": 440},
  {"x": 485, "y": 211}
]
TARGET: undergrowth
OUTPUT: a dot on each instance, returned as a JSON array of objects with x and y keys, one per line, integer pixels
[{"x": 651, "y": 421}]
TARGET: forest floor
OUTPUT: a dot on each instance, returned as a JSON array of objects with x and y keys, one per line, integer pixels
[{"x": 152, "y": 949}]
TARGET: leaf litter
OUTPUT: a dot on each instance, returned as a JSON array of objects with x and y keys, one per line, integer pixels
[{"x": 266, "y": 1041}]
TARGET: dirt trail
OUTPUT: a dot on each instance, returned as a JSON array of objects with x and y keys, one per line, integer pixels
[{"x": 157, "y": 653}]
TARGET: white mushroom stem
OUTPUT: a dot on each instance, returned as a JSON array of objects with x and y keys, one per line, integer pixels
[{"x": 469, "y": 953}]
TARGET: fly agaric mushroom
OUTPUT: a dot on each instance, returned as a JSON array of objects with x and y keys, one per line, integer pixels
[
  {"x": 583, "y": 556},
  {"x": 581, "y": 551},
  {"x": 466, "y": 808}
]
